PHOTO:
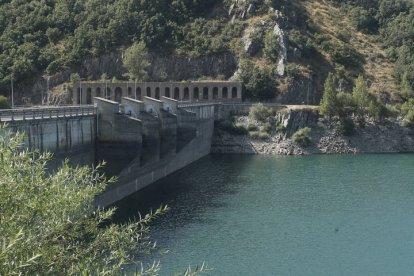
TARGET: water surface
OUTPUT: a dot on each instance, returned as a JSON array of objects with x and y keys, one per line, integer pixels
[{"x": 262, "y": 215}]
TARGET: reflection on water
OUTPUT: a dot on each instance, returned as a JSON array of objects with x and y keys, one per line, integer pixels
[{"x": 316, "y": 215}]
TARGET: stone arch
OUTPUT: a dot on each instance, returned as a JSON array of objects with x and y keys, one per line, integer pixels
[
  {"x": 138, "y": 93},
  {"x": 167, "y": 92},
  {"x": 196, "y": 93},
  {"x": 118, "y": 94},
  {"x": 129, "y": 92},
  {"x": 177, "y": 93},
  {"x": 234, "y": 93},
  {"x": 108, "y": 93},
  {"x": 225, "y": 93},
  {"x": 186, "y": 94},
  {"x": 98, "y": 92},
  {"x": 148, "y": 92},
  {"x": 215, "y": 93},
  {"x": 157, "y": 93},
  {"x": 89, "y": 95},
  {"x": 205, "y": 93}
]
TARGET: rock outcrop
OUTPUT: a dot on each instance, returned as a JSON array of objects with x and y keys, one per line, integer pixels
[{"x": 326, "y": 137}]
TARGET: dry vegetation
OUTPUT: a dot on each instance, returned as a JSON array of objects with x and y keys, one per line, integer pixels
[{"x": 330, "y": 20}]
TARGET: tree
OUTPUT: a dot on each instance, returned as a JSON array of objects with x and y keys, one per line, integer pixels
[
  {"x": 136, "y": 61},
  {"x": 360, "y": 95},
  {"x": 329, "y": 102},
  {"x": 406, "y": 89},
  {"x": 50, "y": 225}
]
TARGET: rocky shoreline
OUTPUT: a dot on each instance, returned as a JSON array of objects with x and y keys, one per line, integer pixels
[{"x": 388, "y": 136}]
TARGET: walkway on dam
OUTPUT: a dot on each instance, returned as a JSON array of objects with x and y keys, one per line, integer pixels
[{"x": 41, "y": 113}]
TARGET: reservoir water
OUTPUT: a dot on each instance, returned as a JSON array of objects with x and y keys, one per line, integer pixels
[{"x": 263, "y": 215}]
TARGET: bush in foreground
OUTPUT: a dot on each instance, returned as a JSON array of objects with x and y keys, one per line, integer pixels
[{"x": 50, "y": 225}]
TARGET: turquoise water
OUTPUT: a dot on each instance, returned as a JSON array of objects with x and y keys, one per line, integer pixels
[{"x": 316, "y": 215}]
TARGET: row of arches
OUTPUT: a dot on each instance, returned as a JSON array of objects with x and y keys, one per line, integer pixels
[{"x": 186, "y": 94}]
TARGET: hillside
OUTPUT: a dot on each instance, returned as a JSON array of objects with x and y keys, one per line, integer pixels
[{"x": 282, "y": 50}]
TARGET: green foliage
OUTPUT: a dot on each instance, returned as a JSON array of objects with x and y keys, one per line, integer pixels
[
  {"x": 36, "y": 35},
  {"x": 360, "y": 96},
  {"x": 206, "y": 37},
  {"x": 393, "y": 19},
  {"x": 136, "y": 61},
  {"x": 377, "y": 110},
  {"x": 260, "y": 135},
  {"x": 406, "y": 90},
  {"x": 271, "y": 47},
  {"x": 260, "y": 83},
  {"x": 231, "y": 128},
  {"x": 303, "y": 136},
  {"x": 363, "y": 19},
  {"x": 329, "y": 103},
  {"x": 50, "y": 225},
  {"x": 345, "y": 104},
  {"x": 343, "y": 54},
  {"x": 4, "y": 104},
  {"x": 260, "y": 113}
]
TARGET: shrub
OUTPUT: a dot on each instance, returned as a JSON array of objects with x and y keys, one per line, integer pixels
[
  {"x": 343, "y": 54},
  {"x": 280, "y": 128},
  {"x": 4, "y": 104},
  {"x": 260, "y": 135},
  {"x": 252, "y": 127},
  {"x": 231, "y": 128},
  {"x": 271, "y": 47},
  {"x": 302, "y": 136},
  {"x": 409, "y": 118},
  {"x": 259, "y": 112}
]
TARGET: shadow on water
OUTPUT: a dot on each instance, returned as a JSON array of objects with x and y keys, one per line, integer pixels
[{"x": 186, "y": 198}]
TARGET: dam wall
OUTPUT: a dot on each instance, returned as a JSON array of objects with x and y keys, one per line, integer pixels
[
  {"x": 183, "y": 138},
  {"x": 62, "y": 131}
]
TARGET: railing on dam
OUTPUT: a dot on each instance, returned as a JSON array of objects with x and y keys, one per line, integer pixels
[{"x": 40, "y": 113}]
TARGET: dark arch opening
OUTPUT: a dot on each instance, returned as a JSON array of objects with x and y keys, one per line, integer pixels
[
  {"x": 196, "y": 93},
  {"x": 157, "y": 93},
  {"x": 129, "y": 92},
  {"x": 89, "y": 96},
  {"x": 186, "y": 94},
  {"x": 234, "y": 92},
  {"x": 177, "y": 93},
  {"x": 205, "y": 93},
  {"x": 225, "y": 92},
  {"x": 215, "y": 93},
  {"x": 167, "y": 92},
  {"x": 108, "y": 93},
  {"x": 149, "y": 92},
  {"x": 98, "y": 92},
  {"x": 118, "y": 94}
]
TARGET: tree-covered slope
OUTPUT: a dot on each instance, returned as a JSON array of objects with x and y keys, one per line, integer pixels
[{"x": 347, "y": 38}]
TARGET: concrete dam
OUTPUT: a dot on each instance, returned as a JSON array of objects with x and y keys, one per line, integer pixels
[{"x": 157, "y": 137}]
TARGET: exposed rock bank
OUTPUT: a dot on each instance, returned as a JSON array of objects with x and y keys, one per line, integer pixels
[{"x": 326, "y": 137}]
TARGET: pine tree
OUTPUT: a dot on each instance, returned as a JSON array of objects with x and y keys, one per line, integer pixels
[
  {"x": 328, "y": 102},
  {"x": 360, "y": 95},
  {"x": 406, "y": 89}
]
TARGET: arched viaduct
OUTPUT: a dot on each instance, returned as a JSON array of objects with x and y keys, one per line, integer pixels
[{"x": 212, "y": 91}]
